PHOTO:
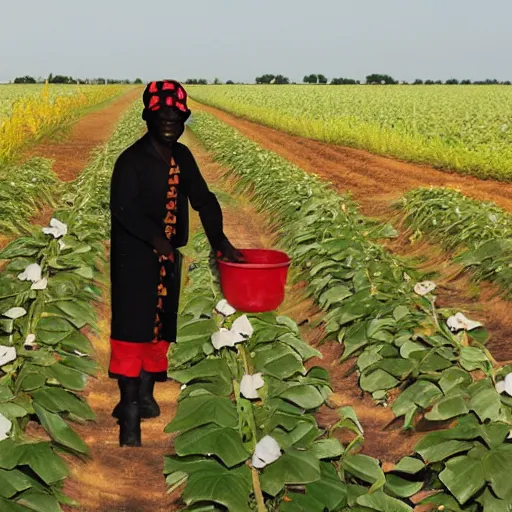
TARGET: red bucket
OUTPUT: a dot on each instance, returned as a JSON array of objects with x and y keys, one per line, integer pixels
[{"x": 258, "y": 285}]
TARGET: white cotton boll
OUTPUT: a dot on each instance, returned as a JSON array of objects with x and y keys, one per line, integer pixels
[
  {"x": 61, "y": 244},
  {"x": 242, "y": 326},
  {"x": 460, "y": 322},
  {"x": 80, "y": 354},
  {"x": 57, "y": 228},
  {"x": 31, "y": 273},
  {"x": 223, "y": 338},
  {"x": 15, "y": 313},
  {"x": 7, "y": 355},
  {"x": 225, "y": 308},
  {"x": 5, "y": 427},
  {"x": 30, "y": 341},
  {"x": 250, "y": 384},
  {"x": 267, "y": 451},
  {"x": 424, "y": 287},
  {"x": 508, "y": 384},
  {"x": 500, "y": 386},
  {"x": 40, "y": 285}
]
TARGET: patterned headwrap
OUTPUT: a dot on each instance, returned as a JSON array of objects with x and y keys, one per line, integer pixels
[{"x": 166, "y": 92}]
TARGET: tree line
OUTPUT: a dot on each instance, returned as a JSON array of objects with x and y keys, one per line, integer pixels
[{"x": 63, "y": 79}]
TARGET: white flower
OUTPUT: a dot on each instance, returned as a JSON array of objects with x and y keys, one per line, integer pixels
[
  {"x": 80, "y": 354},
  {"x": 56, "y": 229},
  {"x": 459, "y": 321},
  {"x": 5, "y": 427},
  {"x": 250, "y": 384},
  {"x": 7, "y": 354},
  {"x": 40, "y": 285},
  {"x": 457, "y": 211},
  {"x": 267, "y": 451},
  {"x": 224, "y": 308},
  {"x": 505, "y": 386},
  {"x": 224, "y": 338},
  {"x": 424, "y": 287},
  {"x": 30, "y": 341},
  {"x": 34, "y": 180},
  {"x": 242, "y": 326},
  {"x": 13, "y": 184},
  {"x": 183, "y": 387},
  {"x": 61, "y": 244},
  {"x": 15, "y": 313},
  {"x": 31, "y": 273},
  {"x": 493, "y": 218}
]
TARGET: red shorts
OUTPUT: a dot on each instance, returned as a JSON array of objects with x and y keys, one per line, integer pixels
[{"x": 128, "y": 359}]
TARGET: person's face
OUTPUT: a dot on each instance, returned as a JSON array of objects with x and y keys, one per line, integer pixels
[{"x": 166, "y": 125}]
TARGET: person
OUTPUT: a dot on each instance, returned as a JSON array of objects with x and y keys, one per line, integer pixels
[{"x": 152, "y": 183}]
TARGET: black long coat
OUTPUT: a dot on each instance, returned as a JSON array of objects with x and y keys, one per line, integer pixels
[{"x": 137, "y": 203}]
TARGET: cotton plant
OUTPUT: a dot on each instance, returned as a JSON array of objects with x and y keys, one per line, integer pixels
[
  {"x": 459, "y": 322},
  {"x": 505, "y": 385},
  {"x": 240, "y": 331},
  {"x": 250, "y": 384},
  {"x": 7, "y": 355},
  {"x": 15, "y": 313},
  {"x": 30, "y": 342},
  {"x": 57, "y": 228},
  {"x": 5, "y": 427},
  {"x": 424, "y": 288},
  {"x": 33, "y": 273},
  {"x": 266, "y": 452},
  {"x": 225, "y": 308}
]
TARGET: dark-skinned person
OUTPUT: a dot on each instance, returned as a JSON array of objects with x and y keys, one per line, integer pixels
[{"x": 152, "y": 184}]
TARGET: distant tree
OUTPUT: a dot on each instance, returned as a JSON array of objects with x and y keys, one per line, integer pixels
[
  {"x": 418, "y": 81},
  {"x": 429, "y": 82},
  {"x": 380, "y": 79},
  {"x": 25, "y": 80},
  {"x": 344, "y": 81},
  {"x": 230, "y": 82},
  {"x": 281, "y": 80},
  {"x": 452, "y": 81},
  {"x": 310, "y": 79},
  {"x": 507, "y": 82},
  {"x": 265, "y": 79},
  {"x": 217, "y": 82},
  {"x": 196, "y": 81},
  {"x": 322, "y": 79},
  {"x": 137, "y": 81},
  {"x": 465, "y": 82},
  {"x": 439, "y": 82}
]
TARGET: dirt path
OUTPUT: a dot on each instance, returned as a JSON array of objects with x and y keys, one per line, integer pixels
[
  {"x": 72, "y": 154},
  {"x": 375, "y": 181}
]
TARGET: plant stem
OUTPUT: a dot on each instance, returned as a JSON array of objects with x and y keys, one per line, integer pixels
[{"x": 260, "y": 502}]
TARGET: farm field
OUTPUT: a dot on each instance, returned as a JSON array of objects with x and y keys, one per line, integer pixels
[
  {"x": 464, "y": 128},
  {"x": 385, "y": 372}
]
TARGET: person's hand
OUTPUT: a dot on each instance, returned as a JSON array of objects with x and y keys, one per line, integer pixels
[
  {"x": 229, "y": 253},
  {"x": 163, "y": 247}
]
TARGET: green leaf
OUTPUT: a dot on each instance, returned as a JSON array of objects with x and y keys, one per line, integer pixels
[
  {"x": 329, "y": 489},
  {"x": 11, "y": 506},
  {"x": 400, "y": 487},
  {"x": 13, "y": 482},
  {"x": 59, "y": 400},
  {"x": 304, "y": 350},
  {"x": 498, "y": 468},
  {"x": 200, "y": 410},
  {"x": 293, "y": 467},
  {"x": 383, "y": 503},
  {"x": 464, "y": 477},
  {"x": 59, "y": 430},
  {"x": 296, "y": 502},
  {"x": 327, "y": 448},
  {"x": 334, "y": 295},
  {"x": 230, "y": 488},
  {"x": 278, "y": 360},
  {"x": 453, "y": 377},
  {"x": 223, "y": 442},
  {"x": 69, "y": 378},
  {"x": 377, "y": 380},
  {"x": 448, "y": 407},
  {"x": 409, "y": 465},
  {"x": 22, "y": 246},
  {"x": 434, "y": 448},
  {"x": 485, "y": 400},
  {"x": 38, "y": 501},
  {"x": 307, "y": 397},
  {"x": 11, "y": 410},
  {"x": 365, "y": 468}
]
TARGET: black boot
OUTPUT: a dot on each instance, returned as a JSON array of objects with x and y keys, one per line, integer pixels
[
  {"x": 148, "y": 405},
  {"x": 128, "y": 412}
]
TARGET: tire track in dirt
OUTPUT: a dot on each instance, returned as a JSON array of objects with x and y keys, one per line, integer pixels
[{"x": 375, "y": 182}]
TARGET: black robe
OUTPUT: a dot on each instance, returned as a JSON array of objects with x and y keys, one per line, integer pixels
[{"x": 137, "y": 202}]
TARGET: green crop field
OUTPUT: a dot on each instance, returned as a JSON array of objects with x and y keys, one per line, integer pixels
[{"x": 465, "y": 128}]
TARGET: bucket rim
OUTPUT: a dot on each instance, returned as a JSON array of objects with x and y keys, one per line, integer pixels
[{"x": 258, "y": 266}]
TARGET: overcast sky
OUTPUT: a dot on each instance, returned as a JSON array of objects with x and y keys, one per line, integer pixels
[{"x": 240, "y": 39}]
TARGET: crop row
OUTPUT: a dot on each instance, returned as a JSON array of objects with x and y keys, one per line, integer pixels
[
  {"x": 479, "y": 231},
  {"x": 466, "y": 129},
  {"x": 48, "y": 290},
  {"x": 382, "y": 312}
]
